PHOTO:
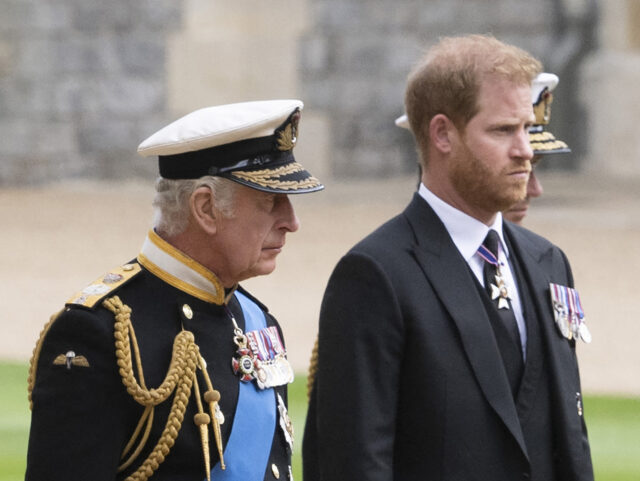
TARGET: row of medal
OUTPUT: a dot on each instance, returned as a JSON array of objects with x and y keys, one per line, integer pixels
[
  {"x": 568, "y": 313},
  {"x": 261, "y": 356},
  {"x": 274, "y": 368}
]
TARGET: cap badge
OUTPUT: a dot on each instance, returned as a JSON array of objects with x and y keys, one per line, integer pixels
[
  {"x": 542, "y": 108},
  {"x": 288, "y": 136}
]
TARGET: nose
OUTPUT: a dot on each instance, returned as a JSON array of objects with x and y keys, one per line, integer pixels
[
  {"x": 522, "y": 145},
  {"x": 288, "y": 220},
  {"x": 534, "y": 187}
]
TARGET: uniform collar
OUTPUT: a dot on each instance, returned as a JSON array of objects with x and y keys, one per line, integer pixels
[
  {"x": 179, "y": 270},
  {"x": 466, "y": 232}
]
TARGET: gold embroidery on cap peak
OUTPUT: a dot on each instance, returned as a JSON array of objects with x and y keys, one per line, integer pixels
[
  {"x": 270, "y": 177},
  {"x": 544, "y": 141}
]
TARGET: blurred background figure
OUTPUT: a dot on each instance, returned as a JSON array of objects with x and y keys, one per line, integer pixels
[{"x": 543, "y": 142}]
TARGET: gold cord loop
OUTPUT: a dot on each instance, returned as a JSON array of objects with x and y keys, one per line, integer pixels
[{"x": 180, "y": 378}]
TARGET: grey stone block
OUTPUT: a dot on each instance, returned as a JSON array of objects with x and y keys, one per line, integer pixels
[
  {"x": 51, "y": 15},
  {"x": 26, "y": 97},
  {"x": 35, "y": 56},
  {"x": 106, "y": 135},
  {"x": 141, "y": 53},
  {"x": 15, "y": 138},
  {"x": 52, "y": 139},
  {"x": 332, "y": 15},
  {"x": 87, "y": 54},
  {"x": 126, "y": 97},
  {"x": 313, "y": 54},
  {"x": 160, "y": 15},
  {"x": 524, "y": 16},
  {"x": 16, "y": 15},
  {"x": 8, "y": 55},
  {"x": 98, "y": 15}
]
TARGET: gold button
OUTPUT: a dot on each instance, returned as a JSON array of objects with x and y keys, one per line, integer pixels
[
  {"x": 186, "y": 310},
  {"x": 275, "y": 471},
  {"x": 127, "y": 267}
]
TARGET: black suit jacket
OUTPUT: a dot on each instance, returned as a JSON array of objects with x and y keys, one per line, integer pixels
[{"x": 410, "y": 383}]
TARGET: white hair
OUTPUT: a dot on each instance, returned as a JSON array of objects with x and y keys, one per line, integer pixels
[{"x": 171, "y": 202}]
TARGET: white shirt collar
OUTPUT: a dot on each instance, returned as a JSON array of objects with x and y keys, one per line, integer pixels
[{"x": 466, "y": 232}]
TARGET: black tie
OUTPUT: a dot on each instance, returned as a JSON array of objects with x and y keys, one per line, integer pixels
[{"x": 493, "y": 283}]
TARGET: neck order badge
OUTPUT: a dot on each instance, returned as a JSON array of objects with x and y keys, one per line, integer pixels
[{"x": 489, "y": 252}]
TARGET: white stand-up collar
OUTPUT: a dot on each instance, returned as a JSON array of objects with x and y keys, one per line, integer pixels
[{"x": 179, "y": 270}]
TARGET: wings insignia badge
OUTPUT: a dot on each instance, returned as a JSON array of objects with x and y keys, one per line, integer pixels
[{"x": 71, "y": 359}]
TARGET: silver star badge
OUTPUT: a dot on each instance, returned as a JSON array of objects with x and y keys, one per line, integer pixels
[{"x": 499, "y": 291}]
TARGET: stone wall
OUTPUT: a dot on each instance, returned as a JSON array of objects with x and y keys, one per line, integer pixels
[
  {"x": 81, "y": 83},
  {"x": 357, "y": 54},
  {"x": 610, "y": 92}
]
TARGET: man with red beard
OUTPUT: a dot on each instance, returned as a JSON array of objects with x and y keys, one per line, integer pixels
[
  {"x": 542, "y": 141},
  {"x": 447, "y": 337}
]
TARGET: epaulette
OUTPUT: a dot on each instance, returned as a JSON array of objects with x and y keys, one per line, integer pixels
[{"x": 101, "y": 287}]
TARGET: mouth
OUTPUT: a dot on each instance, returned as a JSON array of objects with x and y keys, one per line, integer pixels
[
  {"x": 274, "y": 248},
  {"x": 520, "y": 174}
]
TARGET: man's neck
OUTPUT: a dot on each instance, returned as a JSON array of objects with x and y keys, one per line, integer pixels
[{"x": 455, "y": 200}]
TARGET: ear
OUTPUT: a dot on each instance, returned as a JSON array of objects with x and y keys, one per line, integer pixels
[
  {"x": 441, "y": 132},
  {"x": 203, "y": 211}
]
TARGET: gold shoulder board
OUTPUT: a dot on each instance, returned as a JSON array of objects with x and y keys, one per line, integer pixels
[{"x": 90, "y": 295}]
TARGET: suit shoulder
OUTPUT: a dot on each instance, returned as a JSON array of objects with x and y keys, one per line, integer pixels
[
  {"x": 107, "y": 284},
  {"x": 522, "y": 233},
  {"x": 393, "y": 232}
]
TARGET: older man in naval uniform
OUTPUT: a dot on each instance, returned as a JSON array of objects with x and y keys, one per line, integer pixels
[
  {"x": 165, "y": 367},
  {"x": 447, "y": 341}
]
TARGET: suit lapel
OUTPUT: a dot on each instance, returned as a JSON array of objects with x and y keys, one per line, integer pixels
[
  {"x": 539, "y": 269},
  {"x": 452, "y": 281}
]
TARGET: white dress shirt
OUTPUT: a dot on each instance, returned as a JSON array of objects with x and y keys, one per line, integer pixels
[{"x": 468, "y": 234}]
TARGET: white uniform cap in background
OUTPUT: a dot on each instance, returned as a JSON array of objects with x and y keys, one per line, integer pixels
[
  {"x": 543, "y": 81},
  {"x": 543, "y": 141},
  {"x": 403, "y": 122}
]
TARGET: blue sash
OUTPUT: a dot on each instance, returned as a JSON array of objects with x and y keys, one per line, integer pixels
[{"x": 247, "y": 451}]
